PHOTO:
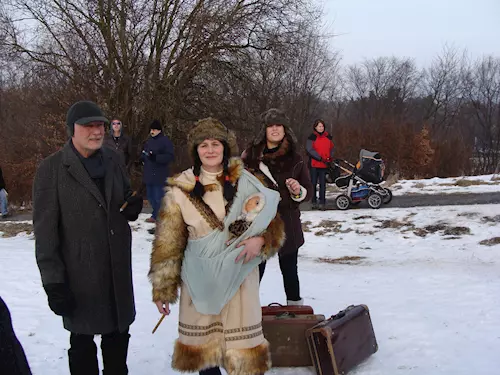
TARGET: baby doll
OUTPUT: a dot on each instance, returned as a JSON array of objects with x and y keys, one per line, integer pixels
[{"x": 251, "y": 208}]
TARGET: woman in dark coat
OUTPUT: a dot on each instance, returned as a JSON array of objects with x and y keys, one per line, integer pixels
[{"x": 273, "y": 157}]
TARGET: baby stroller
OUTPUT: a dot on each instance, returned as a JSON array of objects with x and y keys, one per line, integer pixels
[{"x": 360, "y": 182}]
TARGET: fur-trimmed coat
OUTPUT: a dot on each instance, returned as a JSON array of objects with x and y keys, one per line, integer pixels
[
  {"x": 283, "y": 164},
  {"x": 233, "y": 339}
]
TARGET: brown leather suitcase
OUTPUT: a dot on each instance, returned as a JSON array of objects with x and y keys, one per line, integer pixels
[
  {"x": 338, "y": 344},
  {"x": 276, "y": 308},
  {"x": 286, "y": 333}
]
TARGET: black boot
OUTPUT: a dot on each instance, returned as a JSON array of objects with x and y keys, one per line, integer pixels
[
  {"x": 82, "y": 355},
  {"x": 114, "y": 348}
]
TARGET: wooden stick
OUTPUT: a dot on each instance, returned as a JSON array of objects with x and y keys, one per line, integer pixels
[
  {"x": 126, "y": 202},
  {"x": 158, "y": 324}
]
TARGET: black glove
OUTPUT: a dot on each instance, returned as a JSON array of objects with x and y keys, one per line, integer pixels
[
  {"x": 152, "y": 156},
  {"x": 133, "y": 208},
  {"x": 61, "y": 300}
]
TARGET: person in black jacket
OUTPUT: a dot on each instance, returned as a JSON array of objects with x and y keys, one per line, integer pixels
[
  {"x": 4, "y": 203},
  {"x": 12, "y": 357},
  {"x": 157, "y": 154}
]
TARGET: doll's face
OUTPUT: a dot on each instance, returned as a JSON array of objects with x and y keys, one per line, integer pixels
[{"x": 253, "y": 204}]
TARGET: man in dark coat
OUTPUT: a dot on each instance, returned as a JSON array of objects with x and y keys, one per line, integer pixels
[
  {"x": 83, "y": 242},
  {"x": 273, "y": 156},
  {"x": 157, "y": 154},
  {"x": 12, "y": 357},
  {"x": 119, "y": 142}
]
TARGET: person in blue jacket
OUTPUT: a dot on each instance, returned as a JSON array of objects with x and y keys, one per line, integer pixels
[{"x": 157, "y": 155}]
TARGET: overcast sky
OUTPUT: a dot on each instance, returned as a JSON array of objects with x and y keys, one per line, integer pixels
[{"x": 412, "y": 28}]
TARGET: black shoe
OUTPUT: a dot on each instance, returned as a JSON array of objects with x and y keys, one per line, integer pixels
[
  {"x": 322, "y": 207},
  {"x": 314, "y": 206},
  {"x": 5, "y": 216}
]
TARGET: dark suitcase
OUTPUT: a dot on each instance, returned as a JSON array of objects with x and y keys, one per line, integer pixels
[
  {"x": 338, "y": 344},
  {"x": 276, "y": 308},
  {"x": 286, "y": 333}
]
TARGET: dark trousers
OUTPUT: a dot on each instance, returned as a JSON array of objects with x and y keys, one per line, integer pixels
[
  {"x": 211, "y": 371},
  {"x": 319, "y": 175},
  {"x": 155, "y": 195},
  {"x": 12, "y": 357},
  {"x": 288, "y": 266},
  {"x": 83, "y": 354}
]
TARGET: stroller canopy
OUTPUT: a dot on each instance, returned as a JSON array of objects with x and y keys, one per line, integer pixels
[{"x": 365, "y": 154}]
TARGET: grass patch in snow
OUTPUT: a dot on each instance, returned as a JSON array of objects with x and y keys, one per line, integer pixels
[
  {"x": 13, "y": 229},
  {"x": 306, "y": 226},
  {"x": 349, "y": 260},
  {"x": 469, "y": 215},
  {"x": 491, "y": 242},
  {"x": 456, "y": 231},
  {"x": 394, "y": 224},
  {"x": 491, "y": 219},
  {"x": 329, "y": 226},
  {"x": 363, "y": 217},
  {"x": 435, "y": 228}
]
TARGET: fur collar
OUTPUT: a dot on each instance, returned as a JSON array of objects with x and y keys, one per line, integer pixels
[
  {"x": 186, "y": 180},
  {"x": 283, "y": 150}
]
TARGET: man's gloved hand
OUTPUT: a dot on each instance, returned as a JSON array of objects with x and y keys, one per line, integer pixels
[
  {"x": 152, "y": 156},
  {"x": 133, "y": 208},
  {"x": 61, "y": 300}
]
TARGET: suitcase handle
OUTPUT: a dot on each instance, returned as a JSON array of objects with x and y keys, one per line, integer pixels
[
  {"x": 341, "y": 313},
  {"x": 275, "y": 304}
]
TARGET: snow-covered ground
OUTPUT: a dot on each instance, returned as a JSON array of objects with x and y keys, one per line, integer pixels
[
  {"x": 432, "y": 289},
  {"x": 436, "y": 185}
]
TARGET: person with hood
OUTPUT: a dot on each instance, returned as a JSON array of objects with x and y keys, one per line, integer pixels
[
  {"x": 119, "y": 142},
  {"x": 220, "y": 316},
  {"x": 157, "y": 154},
  {"x": 273, "y": 157},
  {"x": 82, "y": 205},
  {"x": 319, "y": 147}
]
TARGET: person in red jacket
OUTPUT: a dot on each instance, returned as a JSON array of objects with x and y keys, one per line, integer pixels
[{"x": 320, "y": 149}]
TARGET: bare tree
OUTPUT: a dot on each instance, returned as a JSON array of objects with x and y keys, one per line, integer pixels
[
  {"x": 482, "y": 90},
  {"x": 140, "y": 57}
]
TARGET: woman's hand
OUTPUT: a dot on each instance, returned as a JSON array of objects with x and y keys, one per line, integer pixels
[
  {"x": 163, "y": 307},
  {"x": 253, "y": 246},
  {"x": 293, "y": 186}
]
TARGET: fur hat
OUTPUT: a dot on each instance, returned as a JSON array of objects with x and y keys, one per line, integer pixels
[
  {"x": 274, "y": 116},
  {"x": 211, "y": 128}
]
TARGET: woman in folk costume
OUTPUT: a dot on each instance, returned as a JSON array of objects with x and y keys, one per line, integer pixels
[
  {"x": 220, "y": 312},
  {"x": 273, "y": 158}
]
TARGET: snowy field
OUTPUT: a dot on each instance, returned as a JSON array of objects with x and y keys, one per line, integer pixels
[
  {"x": 436, "y": 185},
  {"x": 430, "y": 276}
]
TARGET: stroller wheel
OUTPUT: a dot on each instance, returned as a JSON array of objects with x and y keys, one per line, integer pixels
[
  {"x": 375, "y": 200},
  {"x": 342, "y": 202},
  {"x": 388, "y": 197}
]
